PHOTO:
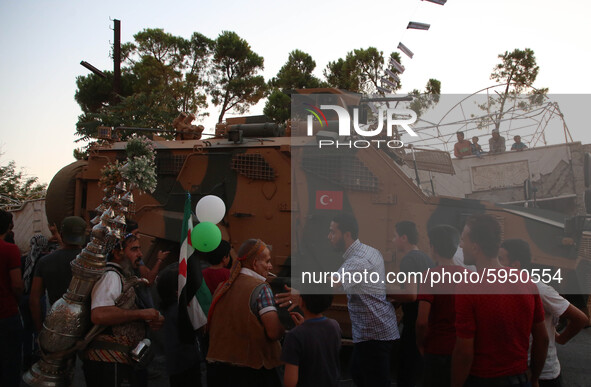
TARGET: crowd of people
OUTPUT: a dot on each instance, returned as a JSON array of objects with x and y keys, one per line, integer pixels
[
  {"x": 451, "y": 334},
  {"x": 496, "y": 145}
]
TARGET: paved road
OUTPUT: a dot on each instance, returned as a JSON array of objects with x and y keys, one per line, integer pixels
[{"x": 575, "y": 359}]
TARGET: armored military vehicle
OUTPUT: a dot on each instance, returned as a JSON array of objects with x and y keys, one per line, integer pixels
[{"x": 279, "y": 187}]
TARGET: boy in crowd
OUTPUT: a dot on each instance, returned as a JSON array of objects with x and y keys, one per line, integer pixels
[
  {"x": 311, "y": 349},
  {"x": 435, "y": 329},
  {"x": 515, "y": 254},
  {"x": 218, "y": 271},
  {"x": 406, "y": 239}
]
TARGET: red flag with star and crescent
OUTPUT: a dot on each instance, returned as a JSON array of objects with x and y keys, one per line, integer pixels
[{"x": 329, "y": 200}]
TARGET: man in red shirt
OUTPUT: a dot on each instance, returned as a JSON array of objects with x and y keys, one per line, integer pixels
[
  {"x": 435, "y": 326},
  {"x": 11, "y": 288},
  {"x": 494, "y": 321}
]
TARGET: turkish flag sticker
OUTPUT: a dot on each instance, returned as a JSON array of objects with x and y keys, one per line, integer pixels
[{"x": 329, "y": 200}]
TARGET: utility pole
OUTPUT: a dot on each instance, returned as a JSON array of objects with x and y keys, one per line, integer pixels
[{"x": 117, "y": 61}]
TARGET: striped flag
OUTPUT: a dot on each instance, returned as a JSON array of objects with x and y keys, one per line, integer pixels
[{"x": 194, "y": 296}]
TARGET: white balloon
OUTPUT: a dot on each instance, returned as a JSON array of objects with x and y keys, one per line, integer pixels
[{"x": 210, "y": 209}]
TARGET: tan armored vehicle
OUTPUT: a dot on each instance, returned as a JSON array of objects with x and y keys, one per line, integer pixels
[{"x": 274, "y": 189}]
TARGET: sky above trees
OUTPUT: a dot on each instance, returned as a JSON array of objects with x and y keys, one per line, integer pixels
[{"x": 44, "y": 42}]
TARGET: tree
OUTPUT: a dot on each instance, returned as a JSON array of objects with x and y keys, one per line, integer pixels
[
  {"x": 369, "y": 64},
  {"x": 278, "y": 106},
  {"x": 342, "y": 75},
  {"x": 424, "y": 101},
  {"x": 95, "y": 97},
  {"x": 235, "y": 84},
  {"x": 360, "y": 71},
  {"x": 296, "y": 73},
  {"x": 165, "y": 75},
  {"x": 16, "y": 187},
  {"x": 517, "y": 71}
]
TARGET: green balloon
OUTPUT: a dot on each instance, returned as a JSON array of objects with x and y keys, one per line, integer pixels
[{"x": 206, "y": 237}]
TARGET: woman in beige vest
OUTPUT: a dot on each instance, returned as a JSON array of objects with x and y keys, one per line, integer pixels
[{"x": 244, "y": 327}]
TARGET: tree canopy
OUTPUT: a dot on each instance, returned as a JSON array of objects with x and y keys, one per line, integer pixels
[
  {"x": 425, "y": 100},
  {"x": 296, "y": 73},
  {"x": 517, "y": 71},
  {"x": 16, "y": 187},
  {"x": 235, "y": 84},
  {"x": 360, "y": 71},
  {"x": 163, "y": 75}
]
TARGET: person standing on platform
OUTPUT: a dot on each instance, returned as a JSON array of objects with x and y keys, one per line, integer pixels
[
  {"x": 462, "y": 147},
  {"x": 496, "y": 143}
]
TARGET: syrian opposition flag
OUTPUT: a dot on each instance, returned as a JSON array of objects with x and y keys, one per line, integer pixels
[{"x": 194, "y": 296}]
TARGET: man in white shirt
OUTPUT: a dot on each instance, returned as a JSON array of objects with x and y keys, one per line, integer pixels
[
  {"x": 515, "y": 253},
  {"x": 106, "y": 359}
]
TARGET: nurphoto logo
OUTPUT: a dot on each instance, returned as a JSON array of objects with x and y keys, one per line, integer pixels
[{"x": 402, "y": 118}]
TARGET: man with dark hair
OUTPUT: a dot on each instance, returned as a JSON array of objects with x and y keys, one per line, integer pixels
[
  {"x": 435, "y": 329},
  {"x": 515, "y": 254},
  {"x": 311, "y": 349},
  {"x": 444, "y": 241},
  {"x": 515, "y": 251},
  {"x": 373, "y": 319},
  {"x": 346, "y": 223},
  {"x": 406, "y": 238},
  {"x": 132, "y": 227},
  {"x": 53, "y": 272},
  {"x": 408, "y": 229},
  {"x": 11, "y": 288},
  {"x": 493, "y": 329},
  {"x": 8, "y": 235},
  {"x": 114, "y": 304}
]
